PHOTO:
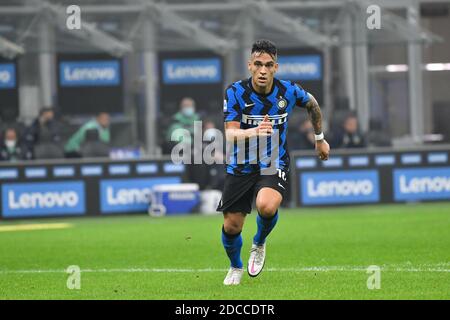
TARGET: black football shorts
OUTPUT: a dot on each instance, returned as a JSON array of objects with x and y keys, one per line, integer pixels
[{"x": 239, "y": 191}]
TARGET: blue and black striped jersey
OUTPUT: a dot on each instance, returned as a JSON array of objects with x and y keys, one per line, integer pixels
[{"x": 242, "y": 103}]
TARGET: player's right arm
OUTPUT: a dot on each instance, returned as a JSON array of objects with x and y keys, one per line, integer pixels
[
  {"x": 234, "y": 132},
  {"x": 232, "y": 116}
]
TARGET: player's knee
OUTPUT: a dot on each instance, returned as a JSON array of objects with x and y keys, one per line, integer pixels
[
  {"x": 267, "y": 209},
  {"x": 232, "y": 227}
]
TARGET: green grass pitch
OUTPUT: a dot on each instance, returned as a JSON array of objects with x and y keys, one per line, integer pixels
[{"x": 311, "y": 254}]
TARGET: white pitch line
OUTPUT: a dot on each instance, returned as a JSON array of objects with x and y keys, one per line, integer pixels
[{"x": 427, "y": 268}]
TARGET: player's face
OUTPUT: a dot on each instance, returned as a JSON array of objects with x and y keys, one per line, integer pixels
[{"x": 262, "y": 67}]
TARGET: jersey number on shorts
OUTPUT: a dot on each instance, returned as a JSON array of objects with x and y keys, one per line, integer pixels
[{"x": 281, "y": 174}]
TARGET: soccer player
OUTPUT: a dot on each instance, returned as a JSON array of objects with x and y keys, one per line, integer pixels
[{"x": 254, "y": 108}]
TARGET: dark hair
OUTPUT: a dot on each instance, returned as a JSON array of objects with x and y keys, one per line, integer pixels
[{"x": 265, "y": 46}]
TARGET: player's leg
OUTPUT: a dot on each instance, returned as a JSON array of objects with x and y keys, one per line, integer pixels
[
  {"x": 269, "y": 195},
  {"x": 268, "y": 201},
  {"x": 231, "y": 237},
  {"x": 232, "y": 242},
  {"x": 236, "y": 202}
]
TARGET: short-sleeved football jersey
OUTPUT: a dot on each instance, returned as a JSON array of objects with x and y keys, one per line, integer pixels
[{"x": 242, "y": 103}]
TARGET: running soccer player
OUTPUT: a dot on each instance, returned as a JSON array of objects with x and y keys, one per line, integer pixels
[{"x": 259, "y": 108}]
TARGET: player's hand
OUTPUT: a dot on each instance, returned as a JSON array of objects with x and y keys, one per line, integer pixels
[
  {"x": 323, "y": 149},
  {"x": 265, "y": 127}
]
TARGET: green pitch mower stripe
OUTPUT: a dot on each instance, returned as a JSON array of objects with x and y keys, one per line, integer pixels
[{"x": 34, "y": 226}]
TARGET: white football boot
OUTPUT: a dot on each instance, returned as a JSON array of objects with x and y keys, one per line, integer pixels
[
  {"x": 256, "y": 260},
  {"x": 233, "y": 277}
]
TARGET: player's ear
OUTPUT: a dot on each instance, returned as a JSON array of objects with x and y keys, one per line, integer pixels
[
  {"x": 276, "y": 67},
  {"x": 249, "y": 65}
]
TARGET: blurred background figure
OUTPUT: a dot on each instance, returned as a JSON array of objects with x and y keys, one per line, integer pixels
[
  {"x": 216, "y": 171},
  {"x": 183, "y": 119},
  {"x": 11, "y": 148},
  {"x": 92, "y": 139},
  {"x": 303, "y": 137},
  {"x": 43, "y": 137},
  {"x": 211, "y": 176},
  {"x": 349, "y": 135},
  {"x": 9, "y": 119},
  {"x": 377, "y": 136}
]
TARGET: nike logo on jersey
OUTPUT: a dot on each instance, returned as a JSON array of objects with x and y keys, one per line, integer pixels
[
  {"x": 280, "y": 185},
  {"x": 249, "y": 105}
]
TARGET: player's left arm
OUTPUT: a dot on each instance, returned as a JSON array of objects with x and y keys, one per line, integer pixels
[{"x": 315, "y": 115}]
